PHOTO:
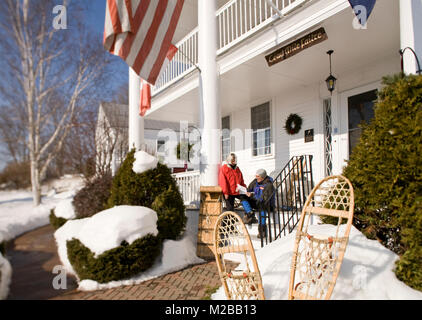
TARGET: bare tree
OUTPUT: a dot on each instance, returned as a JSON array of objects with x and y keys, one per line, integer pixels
[
  {"x": 48, "y": 77},
  {"x": 111, "y": 140}
]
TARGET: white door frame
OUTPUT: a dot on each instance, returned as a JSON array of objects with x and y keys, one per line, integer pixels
[{"x": 343, "y": 135}]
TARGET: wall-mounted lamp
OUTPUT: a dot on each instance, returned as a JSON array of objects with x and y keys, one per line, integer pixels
[
  {"x": 401, "y": 51},
  {"x": 331, "y": 80}
]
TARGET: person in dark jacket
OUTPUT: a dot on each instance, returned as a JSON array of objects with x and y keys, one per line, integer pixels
[
  {"x": 229, "y": 178},
  {"x": 260, "y": 191}
]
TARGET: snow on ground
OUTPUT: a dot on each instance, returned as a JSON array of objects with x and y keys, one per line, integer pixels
[
  {"x": 5, "y": 277},
  {"x": 18, "y": 215},
  {"x": 176, "y": 255},
  {"x": 366, "y": 272}
]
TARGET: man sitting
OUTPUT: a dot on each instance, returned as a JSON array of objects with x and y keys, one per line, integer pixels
[{"x": 260, "y": 190}]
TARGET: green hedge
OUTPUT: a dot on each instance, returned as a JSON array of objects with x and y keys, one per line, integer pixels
[
  {"x": 116, "y": 264},
  {"x": 155, "y": 189},
  {"x": 55, "y": 221},
  {"x": 171, "y": 213},
  {"x": 385, "y": 169}
]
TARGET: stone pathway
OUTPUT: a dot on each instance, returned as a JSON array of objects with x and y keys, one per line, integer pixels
[{"x": 34, "y": 255}]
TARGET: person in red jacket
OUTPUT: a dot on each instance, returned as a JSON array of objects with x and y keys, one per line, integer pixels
[{"x": 229, "y": 178}]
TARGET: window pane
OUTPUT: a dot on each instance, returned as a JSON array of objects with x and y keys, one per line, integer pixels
[
  {"x": 261, "y": 126},
  {"x": 361, "y": 110},
  {"x": 225, "y": 137}
]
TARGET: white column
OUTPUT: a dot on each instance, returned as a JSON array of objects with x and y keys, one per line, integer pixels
[
  {"x": 136, "y": 122},
  {"x": 411, "y": 32},
  {"x": 210, "y": 111}
]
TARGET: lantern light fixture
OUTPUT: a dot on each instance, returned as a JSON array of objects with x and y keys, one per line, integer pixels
[{"x": 331, "y": 80}]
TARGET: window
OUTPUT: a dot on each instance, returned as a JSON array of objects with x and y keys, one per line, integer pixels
[
  {"x": 261, "y": 129},
  {"x": 361, "y": 110},
  {"x": 161, "y": 150},
  {"x": 225, "y": 137}
]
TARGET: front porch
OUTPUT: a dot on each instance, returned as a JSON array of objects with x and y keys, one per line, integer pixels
[{"x": 297, "y": 85}]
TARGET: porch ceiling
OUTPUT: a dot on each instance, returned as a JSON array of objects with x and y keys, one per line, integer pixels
[{"x": 254, "y": 81}]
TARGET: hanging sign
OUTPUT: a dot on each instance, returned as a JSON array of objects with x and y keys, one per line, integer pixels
[{"x": 297, "y": 46}]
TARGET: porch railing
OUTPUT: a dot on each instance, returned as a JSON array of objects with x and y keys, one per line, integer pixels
[
  {"x": 292, "y": 187},
  {"x": 236, "y": 21},
  {"x": 189, "y": 186}
]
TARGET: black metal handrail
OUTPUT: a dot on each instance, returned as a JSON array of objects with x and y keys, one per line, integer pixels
[{"x": 291, "y": 188}]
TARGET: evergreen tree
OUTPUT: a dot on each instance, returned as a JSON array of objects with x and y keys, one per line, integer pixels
[{"x": 385, "y": 170}]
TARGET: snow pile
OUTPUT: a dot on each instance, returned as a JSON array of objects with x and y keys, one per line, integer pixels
[
  {"x": 5, "y": 277},
  {"x": 366, "y": 272},
  {"x": 143, "y": 162},
  {"x": 176, "y": 255},
  {"x": 65, "y": 209}
]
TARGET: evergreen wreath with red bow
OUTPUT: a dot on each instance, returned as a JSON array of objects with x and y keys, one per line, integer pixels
[{"x": 293, "y": 124}]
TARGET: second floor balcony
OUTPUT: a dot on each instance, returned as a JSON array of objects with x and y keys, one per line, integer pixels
[{"x": 237, "y": 20}]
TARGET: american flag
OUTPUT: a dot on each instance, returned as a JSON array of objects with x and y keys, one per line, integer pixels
[
  {"x": 145, "y": 103},
  {"x": 141, "y": 32}
]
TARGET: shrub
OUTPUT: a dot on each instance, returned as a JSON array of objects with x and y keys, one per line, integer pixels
[
  {"x": 385, "y": 169},
  {"x": 119, "y": 263},
  {"x": 56, "y": 222},
  {"x": 155, "y": 189},
  {"x": 171, "y": 213},
  {"x": 16, "y": 175},
  {"x": 93, "y": 197}
]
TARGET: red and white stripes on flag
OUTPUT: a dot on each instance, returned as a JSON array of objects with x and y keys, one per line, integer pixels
[
  {"x": 145, "y": 103},
  {"x": 141, "y": 32}
]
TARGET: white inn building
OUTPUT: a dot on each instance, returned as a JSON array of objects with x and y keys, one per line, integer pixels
[{"x": 246, "y": 65}]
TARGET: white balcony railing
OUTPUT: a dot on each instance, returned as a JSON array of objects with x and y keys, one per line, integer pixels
[
  {"x": 236, "y": 21},
  {"x": 189, "y": 184}
]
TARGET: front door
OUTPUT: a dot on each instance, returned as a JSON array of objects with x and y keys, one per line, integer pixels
[{"x": 356, "y": 107}]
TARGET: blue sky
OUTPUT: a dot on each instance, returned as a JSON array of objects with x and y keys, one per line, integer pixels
[{"x": 96, "y": 14}]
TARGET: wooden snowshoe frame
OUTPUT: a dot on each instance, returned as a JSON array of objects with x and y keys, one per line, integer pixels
[
  {"x": 231, "y": 236},
  {"x": 317, "y": 259}
]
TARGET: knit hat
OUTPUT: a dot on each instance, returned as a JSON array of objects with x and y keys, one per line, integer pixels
[{"x": 262, "y": 173}]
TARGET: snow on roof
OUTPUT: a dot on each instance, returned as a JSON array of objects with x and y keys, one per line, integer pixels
[{"x": 118, "y": 117}]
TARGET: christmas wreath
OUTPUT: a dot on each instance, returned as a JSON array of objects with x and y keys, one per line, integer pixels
[{"x": 293, "y": 124}]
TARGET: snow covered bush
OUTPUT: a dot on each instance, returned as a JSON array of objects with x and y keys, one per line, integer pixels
[
  {"x": 93, "y": 197},
  {"x": 385, "y": 169},
  {"x": 112, "y": 245},
  {"x": 119, "y": 263},
  {"x": 153, "y": 187}
]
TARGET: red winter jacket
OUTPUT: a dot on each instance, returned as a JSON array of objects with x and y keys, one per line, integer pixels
[{"x": 229, "y": 178}]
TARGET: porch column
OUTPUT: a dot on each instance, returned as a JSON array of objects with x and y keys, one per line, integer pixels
[
  {"x": 411, "y": 32},
  {"x": 136, "y": 122},
  {"x": 210, "y": 108}
]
